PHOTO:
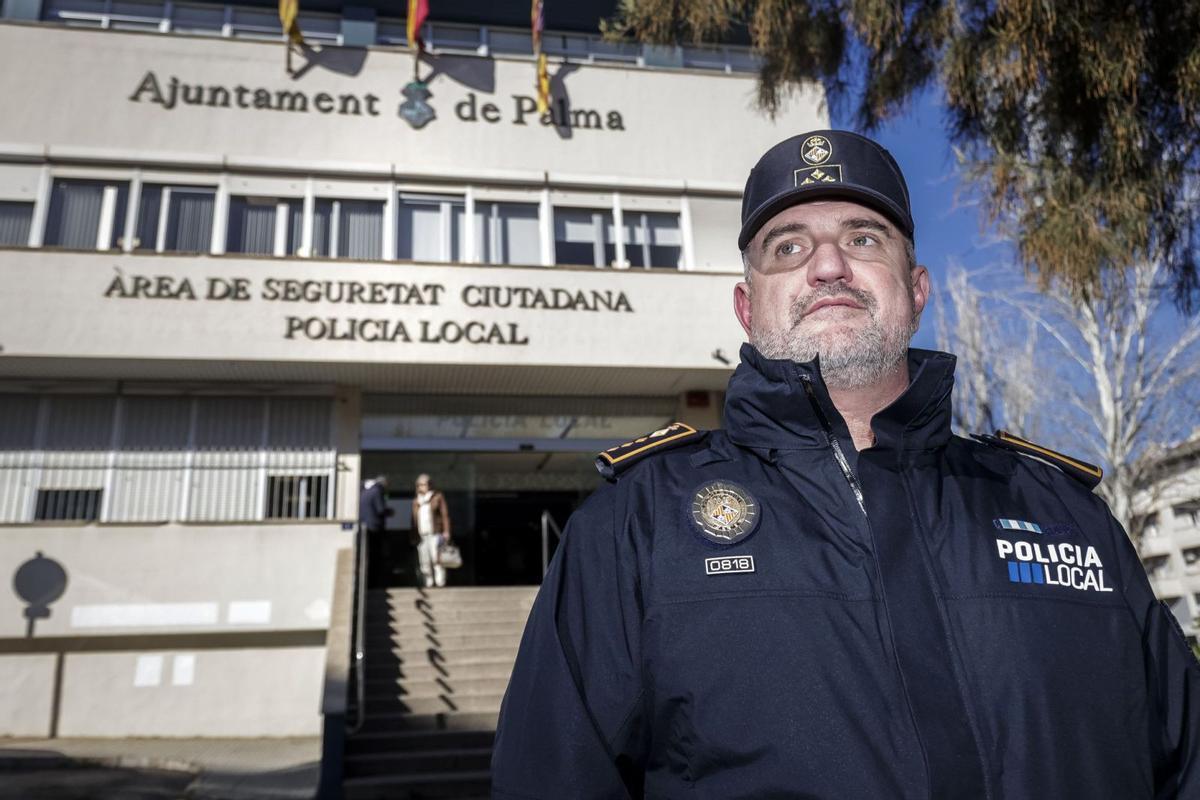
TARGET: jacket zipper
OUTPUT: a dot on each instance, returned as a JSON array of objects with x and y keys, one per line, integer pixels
[{"x": 834, "y": 444}]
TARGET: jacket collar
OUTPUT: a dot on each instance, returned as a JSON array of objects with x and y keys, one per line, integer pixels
[{"x": 768, "y": 406}]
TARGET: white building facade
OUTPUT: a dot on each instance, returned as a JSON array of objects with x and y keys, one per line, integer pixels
[
  {"x": 231, "y": 292},
  {"x": 1170, "y": 543}
]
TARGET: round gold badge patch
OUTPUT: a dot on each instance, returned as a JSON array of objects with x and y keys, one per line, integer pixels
[
  {"x": 816, "y": 150},
  {"x": 724, "y": 512}
]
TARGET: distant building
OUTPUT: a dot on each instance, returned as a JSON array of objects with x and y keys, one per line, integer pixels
[
  {"x": 1170, "y": 544},
  {"x": 228, "y": 294}
]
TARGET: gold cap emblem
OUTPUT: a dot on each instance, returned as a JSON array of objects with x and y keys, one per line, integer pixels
[{"x": 816, "y": 150}]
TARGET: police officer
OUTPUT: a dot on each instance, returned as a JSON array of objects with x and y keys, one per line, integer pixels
[{"x": 835, "y": 597}]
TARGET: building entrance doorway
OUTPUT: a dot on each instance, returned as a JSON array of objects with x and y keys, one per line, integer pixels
[
  {"x": 502, "y": 462},
  {"x": 496, "y": 504}
]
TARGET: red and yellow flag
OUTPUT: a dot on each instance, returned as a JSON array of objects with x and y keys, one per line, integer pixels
[
  {"x": 289, "y": 12},
  {"x": 538, "y": 22},
  {"x": 418, "y": 10}
]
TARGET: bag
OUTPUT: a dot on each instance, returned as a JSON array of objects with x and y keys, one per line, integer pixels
[{"x": 449, "y": 556}]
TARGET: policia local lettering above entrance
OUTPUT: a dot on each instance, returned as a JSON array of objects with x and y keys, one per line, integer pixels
[{"x": 422, "y": 331}]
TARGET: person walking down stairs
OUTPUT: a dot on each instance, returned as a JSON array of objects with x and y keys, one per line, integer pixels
[{"x": 431, "y": 521}]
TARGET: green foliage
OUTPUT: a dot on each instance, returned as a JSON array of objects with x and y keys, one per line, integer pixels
[{"x": 1080, "y": 118}]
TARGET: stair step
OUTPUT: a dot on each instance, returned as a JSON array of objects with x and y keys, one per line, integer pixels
[
  {"x": 419, "y": 668},
  {"x": 444, "y": 720},
  {"x": 445, "y": 703},
  {"x": 442, "y": 643},
  {"x": 465, "y": 654},
  {"x": 484, "y": 612},
  {"x": 410, "y": 762},
  {"x": 417, "y": 740},
  {"x": 454, "y": 592},
  {"x": 507, "y": 623},
  {"x": 461, "y": 786},
  {"x": 481, "y": 599},
  {"x": 435, "y": 686}
]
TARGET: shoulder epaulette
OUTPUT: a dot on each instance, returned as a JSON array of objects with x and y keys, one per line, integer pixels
[
  {"x": 615, "y": 460},
  {"x": 1087, "y": 474}
]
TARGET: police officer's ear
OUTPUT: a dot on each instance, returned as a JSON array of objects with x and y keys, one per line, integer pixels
[
  {"x": 921, "y": 287},
  {"x": 741, "y": 304}
]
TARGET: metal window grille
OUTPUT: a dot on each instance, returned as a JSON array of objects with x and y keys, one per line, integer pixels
[
  {"x": 15, "y": 220},
  {"x": 297, "y": 497},
  {"x": 68, "y": 504},
  {"x": 158, "y": 459}
]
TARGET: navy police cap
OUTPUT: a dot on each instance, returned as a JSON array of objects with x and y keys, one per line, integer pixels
[{"x": 819, "y": 164}]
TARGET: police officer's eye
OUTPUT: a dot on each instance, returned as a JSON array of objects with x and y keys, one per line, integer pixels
[
  {"x": 788, "y": 249},
  {"x": 864, "y": 240}
]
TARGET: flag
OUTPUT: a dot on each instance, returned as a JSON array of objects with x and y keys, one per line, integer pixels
[
  {"x": 418, "y": 10},
  {"x": 538, "y": 21},
  {"x": 289, "y": 10}
]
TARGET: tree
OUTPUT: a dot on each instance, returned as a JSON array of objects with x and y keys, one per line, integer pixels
[
  {"x": 991, "y": 390},
  {"x": 1078, "y": 117},
  {"x": 1111, "y": 376}
]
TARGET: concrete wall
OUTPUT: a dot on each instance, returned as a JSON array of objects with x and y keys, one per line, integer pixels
[
  {"x": 26, "y": 694},
  {"x": 244, "y": 692},
  {"x": 195, "y": 578},
  {"x": 171, "y": 630}
]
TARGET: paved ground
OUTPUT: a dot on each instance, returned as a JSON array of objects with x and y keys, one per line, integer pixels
[{"x": 159, "y": 769}]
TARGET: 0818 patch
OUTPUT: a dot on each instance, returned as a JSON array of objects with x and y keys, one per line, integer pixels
[{"x": 728, "y": 565}]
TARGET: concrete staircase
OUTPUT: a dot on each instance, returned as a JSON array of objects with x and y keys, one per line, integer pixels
[{"x": 437, "y": 663}]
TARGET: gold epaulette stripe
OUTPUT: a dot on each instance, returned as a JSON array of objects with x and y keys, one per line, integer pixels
[
  {"x": 1079, "y": 465},
  {"x": 688, "y": 430}
]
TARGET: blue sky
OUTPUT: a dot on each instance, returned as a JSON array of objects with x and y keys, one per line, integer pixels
[{"x": 949, "y": 227}]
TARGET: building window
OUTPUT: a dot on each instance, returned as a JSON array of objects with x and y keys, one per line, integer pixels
[
  {"x": 253, "y": 23},
  {"x": 15, "y": 220},
  {"x": 175, "y": 219},
  {"x": 1148, "y": 525},
  {"x": 134, "y": 16},
  {"x": 321, "y": 28},
  {"x": 505, "y": 42},
  {"x": 198, "y": 20},
  {"x": 297, "y": 497},
  {"x": 264, "y": 226},
  {"x": 1191, "y": 559},
  {"x": 507, "y": 233},
  {"x": 459, "y": 38},
  {"x": 67, "y": 504},
  {"x": 1187, "y": 514},
  {"x": 85, "y": 215},
  {"x": 430, "y": 228},
  {"x": 77, "y": 13},
  {"x": 1156, "y": 566},
  {"x": 583, "y": 237},
  {"x": 652, "y": 240},
  {"x": 348, "y": 229}
]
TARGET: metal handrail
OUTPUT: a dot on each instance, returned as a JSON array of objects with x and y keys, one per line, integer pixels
[
  {"x": 360, "y": 615},
  {"x": 548, "y": 524}
]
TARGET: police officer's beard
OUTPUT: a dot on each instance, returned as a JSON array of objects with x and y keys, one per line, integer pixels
[{"x": 850, "y": 359}]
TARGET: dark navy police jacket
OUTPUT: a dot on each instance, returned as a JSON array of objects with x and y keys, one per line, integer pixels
[{"x": 977, "y": 627}]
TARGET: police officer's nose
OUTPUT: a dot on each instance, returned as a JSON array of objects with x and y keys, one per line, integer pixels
[{"x": 828, "y": 265}]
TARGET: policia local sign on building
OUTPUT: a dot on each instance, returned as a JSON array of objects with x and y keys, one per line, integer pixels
[
  {"x": 387, "y": 297},
  {"x": 163, "y": 307}
]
